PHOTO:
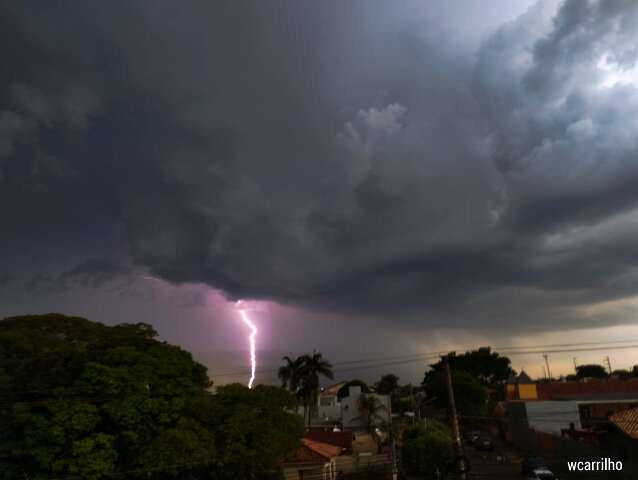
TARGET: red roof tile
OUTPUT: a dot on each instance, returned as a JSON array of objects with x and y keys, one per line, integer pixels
[
  {"x": 323, "y": 449},
  {"x": 339, "y": 439},
  {"x": 627, "y": 421}
]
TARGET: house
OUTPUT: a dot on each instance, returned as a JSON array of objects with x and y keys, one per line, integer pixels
[
  {"x": 329, "y": 407},
  {"x": 533, "y": 409},
  {"x": 339, "y": 439},
  {"x": 345, "y": 411},
  {"x": 351, "y": 416},
  {"x": 313, "y": 460},
  {"x": 324, "y": 455},
  {"x": 622, "y": 438},
  {"x": 520, "y": 387}
]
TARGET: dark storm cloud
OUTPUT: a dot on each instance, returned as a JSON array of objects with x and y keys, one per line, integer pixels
[
  {"x": 92, "y": 273},
  {"x": 344, "y": 156}
]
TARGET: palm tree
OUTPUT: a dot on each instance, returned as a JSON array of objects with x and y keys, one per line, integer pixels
[
  {"x": 312, "y": 366},
  {"x": 289, "y": 372},
  {"x": 290, "y": 375}
]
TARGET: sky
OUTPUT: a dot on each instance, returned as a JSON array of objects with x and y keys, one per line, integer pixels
[{"x": 371, "y": 178}]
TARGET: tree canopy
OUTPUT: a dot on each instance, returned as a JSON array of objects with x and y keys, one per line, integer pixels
[
  {"x": 427, "y": 450},
  {"x": 388, "y": 384},
  {"x": 591, "y": 371},
  {"x": 82, "y": 400},
  {"x": 469, "y": 394},
  {"x": 489, "y": 367}
]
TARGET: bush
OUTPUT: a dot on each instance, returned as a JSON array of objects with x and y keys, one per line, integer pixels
[{"x": 426, "y": 449}]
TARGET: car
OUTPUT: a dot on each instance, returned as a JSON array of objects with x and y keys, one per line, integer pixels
[
  {"x": 530, "y": 463},
  {"x": 484, "y": 444},
  {"x": 472, "y": 436},
  {"x": 542, "y": 473}
]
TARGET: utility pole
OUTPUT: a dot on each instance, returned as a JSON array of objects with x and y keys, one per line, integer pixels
[
  {"x": 455, "y": 421},
  {"x": 608, "y": 363},
  {"x": 549, "y": 373},
  {"x": 575, "y": 366}
]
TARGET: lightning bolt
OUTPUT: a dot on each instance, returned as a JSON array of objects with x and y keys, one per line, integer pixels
[{"x": 251, "y": 340}]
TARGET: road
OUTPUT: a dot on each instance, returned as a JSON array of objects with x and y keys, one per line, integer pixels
[{"x": 499, "y": 464}]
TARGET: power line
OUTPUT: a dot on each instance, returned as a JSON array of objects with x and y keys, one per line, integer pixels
[
  {"x": 510, "y": 350},
  {"x": 378, "y": 363}
]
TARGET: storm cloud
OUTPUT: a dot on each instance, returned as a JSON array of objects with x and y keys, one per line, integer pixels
[{"x": 363, "y": 158}]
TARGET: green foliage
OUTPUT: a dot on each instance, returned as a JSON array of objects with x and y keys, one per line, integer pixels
[
  {"x": 388, "y": 384},
  {"x": 81, "y": 400},
  {"x": 591, "y": 371},
  {"x": 490, "y": 368},
  {"x": 372, "y": 415},
  {"x": 301, "y": 376},
  {"x": 426, "y": 449},
  {"x": 469, "y": 394}
]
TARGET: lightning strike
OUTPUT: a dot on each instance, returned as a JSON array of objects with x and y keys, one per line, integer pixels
[{"x": 251, "y": 340}]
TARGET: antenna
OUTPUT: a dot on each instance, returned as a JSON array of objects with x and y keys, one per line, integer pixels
[
  {"x": 608, "y": 363},
  {"x": 549, "y": 373}
]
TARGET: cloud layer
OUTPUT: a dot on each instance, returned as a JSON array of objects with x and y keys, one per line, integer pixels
[{"x": 348, "y": 157}]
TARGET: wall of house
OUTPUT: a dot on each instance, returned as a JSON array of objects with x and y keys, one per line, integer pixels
[
  {"x": 527, "y": 392},
  {"x": 329, "y": 409},
  {"x": 350, "y": 414},
  {"x": 596, "y": 413},
  {"x": 551, "y": 416},
  {"x": 308, "y": 472}
]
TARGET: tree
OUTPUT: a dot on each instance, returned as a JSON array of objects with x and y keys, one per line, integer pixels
[
  {"x": 490, "y": 368},
  {"x": 311, "y": 367},
  {"x": 253, "y": 431},
  {"x": 428, "y": 450},
  {"x": 622, "y": 374},
  {"x": 470, "y": 395},
  {"x": 371, "y": 415},
  {"x": 289, "y": 373},
  {"x": 591, "y": 371},
  {"x": 388, "y": 384},
  {"x": 84, "y": 400}
]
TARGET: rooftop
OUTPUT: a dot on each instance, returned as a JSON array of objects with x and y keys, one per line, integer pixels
[
  {"x": 338, "y": 439},
  {"x": 592, "y": 390},
  {"x": 627, "y": 422}
]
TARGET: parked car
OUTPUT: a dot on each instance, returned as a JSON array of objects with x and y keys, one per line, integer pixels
[
  {"x": 531, "y": 463},
  {"x": 484, "y": 444},
  {"x": 542, "y": 473},
  {"x": 472, "y": 436}
]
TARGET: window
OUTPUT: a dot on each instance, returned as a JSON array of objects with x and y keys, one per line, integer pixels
[{"x": 326, "y": 401}]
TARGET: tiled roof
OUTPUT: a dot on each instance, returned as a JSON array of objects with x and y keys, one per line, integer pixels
[
  {"x": 312, "y": 452},
  {"x": 590, "y": 390},
  {"x": 323, "y": 449},
  {"x": 627, "y": 421},
  {"x": 339, "y": 439},
  {"x": 332, "y": 389}
]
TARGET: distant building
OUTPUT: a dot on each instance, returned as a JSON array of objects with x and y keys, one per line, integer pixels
[
  {"x": 351, "y": 417},
  {"x": 558, "y": 407},
  {"x": 313, "y": 460},
  {"x": 520, "y": 387},
  {"x": 329, "y": 407},
  {"x": 345, "y": 411}
]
